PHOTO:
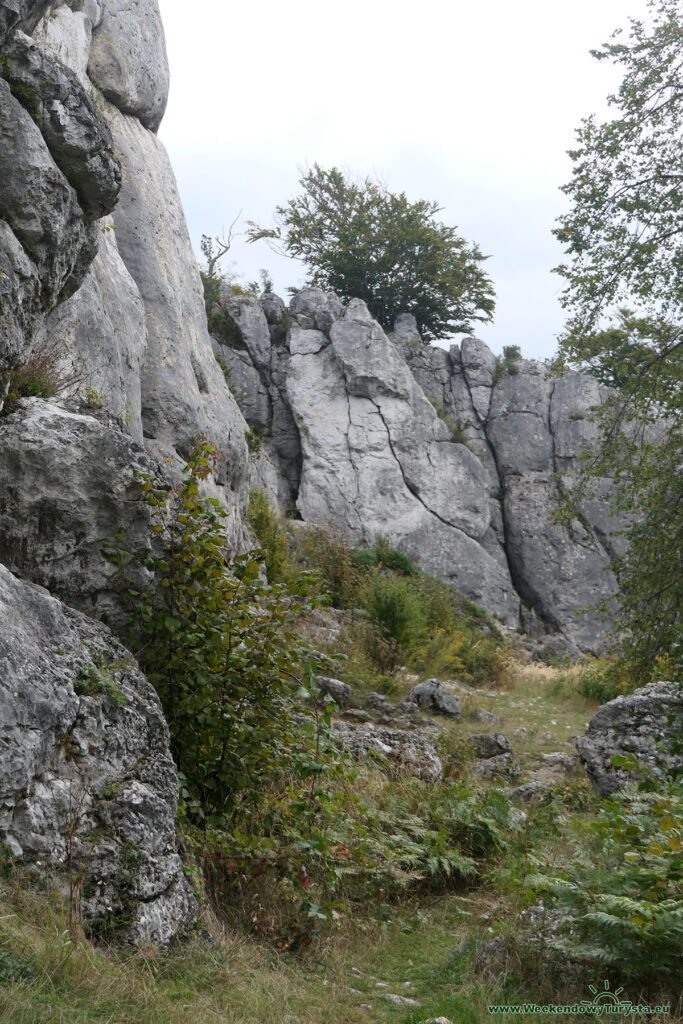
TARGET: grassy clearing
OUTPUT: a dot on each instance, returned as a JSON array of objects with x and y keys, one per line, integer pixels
[{"x": 427, "y": 953}]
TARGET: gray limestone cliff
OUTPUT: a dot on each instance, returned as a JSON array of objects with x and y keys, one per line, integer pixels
[
  {"x": 456, "y": 460},
  {"x": 97, "y": 265},
  {"x": 99, "y": 283}
]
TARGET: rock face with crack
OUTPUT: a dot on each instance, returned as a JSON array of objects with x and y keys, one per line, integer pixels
[
  {"x": 456, "y": 460},
  {"x": 87, "y": 783},
  {"x": 640, "y": 726}
]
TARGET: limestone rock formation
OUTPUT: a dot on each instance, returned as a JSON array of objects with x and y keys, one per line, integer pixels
[
  {"x": 54, "y": 143},
  {"x": 455, "y": 459},
  {"x": 490, "y": 744},
  {"x": 638, "y": 725},
  {"x": 433, "y": 695},
  {"x": 412, "y": 753},
  {"x": 454, "y": 462},
  {"x": 127, "y": 58},
  {"x": 339, "y": 692},
  {"x": 88, "y": 787},
  {"x": 79, "y": 101},
  {"x": 362, "y": 446},
  {"x": 70, "y": 486},
  {"x": 115, "y": 304}
]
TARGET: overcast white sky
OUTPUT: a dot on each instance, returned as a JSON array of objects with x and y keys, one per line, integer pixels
[{"x": 473, "y": 105}]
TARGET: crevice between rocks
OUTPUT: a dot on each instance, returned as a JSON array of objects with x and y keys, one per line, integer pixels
[
  {"x": 483, "y": 423},
  {"x": 353, "y": 463}
]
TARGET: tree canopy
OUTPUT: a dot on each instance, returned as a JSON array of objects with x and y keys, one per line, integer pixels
[
  {"x": 624, "y": 295},
  {"x": 362, "y": 241}
]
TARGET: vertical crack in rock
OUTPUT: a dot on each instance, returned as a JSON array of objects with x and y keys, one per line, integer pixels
[
  {"x": 410, "y": 486},
  {"x": 352, "y": 460},
  {"x": 295, "y": 462},
  {"x": 483, "y": 423}
]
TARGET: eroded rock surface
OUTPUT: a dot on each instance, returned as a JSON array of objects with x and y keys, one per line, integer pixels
[
  {"x": 127, "y": 59},
  {"x": 57, "y": 174},
  {"x": 433, "y": 695},
  {"x": 453, "y": 458},
  {"x": 70, "y": 485},
  {"x": 87, "y": 782},
  {"x": 410, "y": 752},
  {"x": 117, "y": 303},
  {"x": 639, "y": 725},
  {"x": 490, "y": 744},
  {"x": 339, "y": 692}
]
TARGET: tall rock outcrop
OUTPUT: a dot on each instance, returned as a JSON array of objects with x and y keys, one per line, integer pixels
[
  {"x": 457, "y": 460},
  {"x": 99, "y": 285},
  {"x": 455, "y": 463},
  {"x": 98, "y": 274}
]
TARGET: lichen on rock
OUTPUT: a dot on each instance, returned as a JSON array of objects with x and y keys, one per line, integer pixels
[{"x": 88, "y": 788}]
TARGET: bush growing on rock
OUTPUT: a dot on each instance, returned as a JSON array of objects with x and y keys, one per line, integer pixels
[
  {"x": 329, "y": 554},
  {"x": 40, "y": 377},
  {"x": 396, "y": 608},
  {"x": 362, "y": 241},
  {"x": 271, "y": 535},
  {"x": 405, "y": 615}
]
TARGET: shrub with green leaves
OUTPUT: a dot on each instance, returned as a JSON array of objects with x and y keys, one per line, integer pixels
[
  {"x": 271, "y": 535},
  {"x": 327, "y": 552},
  {"x": 462, "y": 641},
  {"x": 381, "y": 553},
  {"x": 395, "y": 607},
  {"x": 317, "y": 852},
  {"x": 217, "y": 644},
  {"x": 603, "y": 680},
  {"x": 416, "y": 619}
]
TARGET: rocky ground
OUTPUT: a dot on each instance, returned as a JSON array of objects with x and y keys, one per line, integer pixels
[{"x": 436, "y": 960}]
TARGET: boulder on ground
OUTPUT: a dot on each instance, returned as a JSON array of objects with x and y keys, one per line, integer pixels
[
  {"x": 412, "y": 753},
  {"x": 530, "y": 792},
  {"x": 561, "y": 759},
  {"x": 502, "y": 764},
  {"x": 640, "y": 724},
  {"x": 487, "y": 717},
  {"x": 490, "y": 744},
  {"x": 433, "y": 695},
  {"x": 334, "y": 688}
]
